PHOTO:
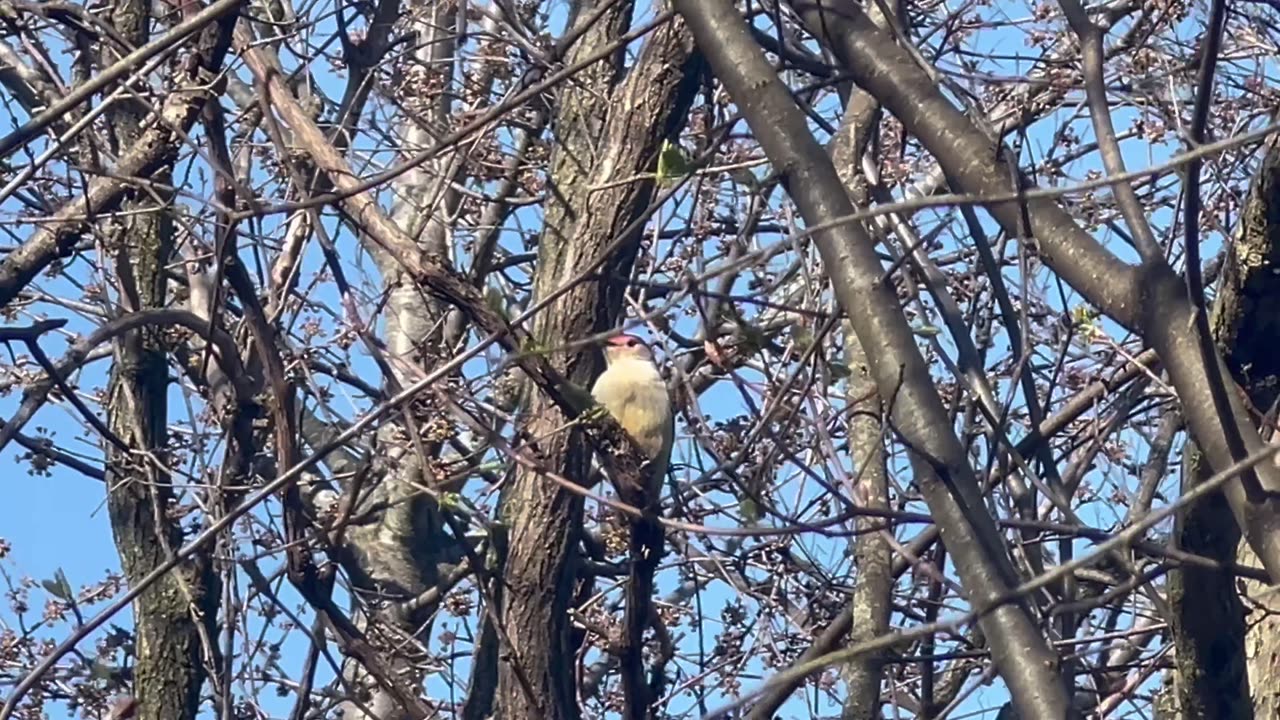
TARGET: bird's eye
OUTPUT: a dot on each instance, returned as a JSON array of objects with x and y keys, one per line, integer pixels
[{"x": 633, "y": 342}]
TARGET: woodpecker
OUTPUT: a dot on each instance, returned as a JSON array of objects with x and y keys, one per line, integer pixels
[{"x": 632, "y": 390}]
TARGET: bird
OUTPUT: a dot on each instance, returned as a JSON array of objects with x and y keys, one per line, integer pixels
[{"x": 633, "y": 391}]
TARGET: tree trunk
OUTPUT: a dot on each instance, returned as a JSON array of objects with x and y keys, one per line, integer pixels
[
  {"x": 171, "y": 617},
  {"x": 1222, "y": 654},
  {"x": 942, "y": 470},
  {"x": 872, "y": 595},
  {"x": 607, "y": 131},
  {"x": 1208, "y": 620},
  {"x": 398, "y": 553},
  {"x": 1247, "y": 324}
]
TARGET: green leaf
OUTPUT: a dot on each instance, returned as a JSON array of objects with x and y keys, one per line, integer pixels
[
  {"x": 672, "y": 163},
  {"x": 99, "y": 670},
  {"x": 1083, "y": 315},
  {"x": 496, "y": 301},
  {"x": 803, "y": 337},
  {"x": 450, "y": 501},
  {"x": 58, "y": 586}
]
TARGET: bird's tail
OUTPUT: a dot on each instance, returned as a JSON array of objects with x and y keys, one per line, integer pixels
[{"x": 646, "y": 546}]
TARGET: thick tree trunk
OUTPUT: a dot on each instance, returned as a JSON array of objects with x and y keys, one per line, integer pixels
[
  {"x": 606, "y": 133},
  {"x": 1261, "y": 642},
  {"x": 173, "y": 614},
  {"x": 1222, "y": 654},
  {"x": 1208, "y": 620},
  {"x": 174, "y": 619},
  {"x": 1247, "y": 322}
]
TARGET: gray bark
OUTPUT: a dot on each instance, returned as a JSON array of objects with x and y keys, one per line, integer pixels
[
  {"x": 917, "y": 414},
  {"x": 398, "y": 554},
  {"x": 1149, "y": 299},
  {"x": 872, "y": 595}
]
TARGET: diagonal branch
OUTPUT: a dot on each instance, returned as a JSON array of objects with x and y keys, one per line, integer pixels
[
  {"x": 1150, "y": 300},
  {"x": 915, "y": 409},
  {"x": 442, "y": 280},
  {"x": 218, "y": 13},
  {"x": 56, "y": 376},
  {"x": 155, "y": 148}
]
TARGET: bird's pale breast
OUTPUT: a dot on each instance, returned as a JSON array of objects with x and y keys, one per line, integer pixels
[{"x": 638, "y": 398}]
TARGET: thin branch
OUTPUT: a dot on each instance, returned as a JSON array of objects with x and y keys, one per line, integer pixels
[{"x": 914, "y": 407}]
